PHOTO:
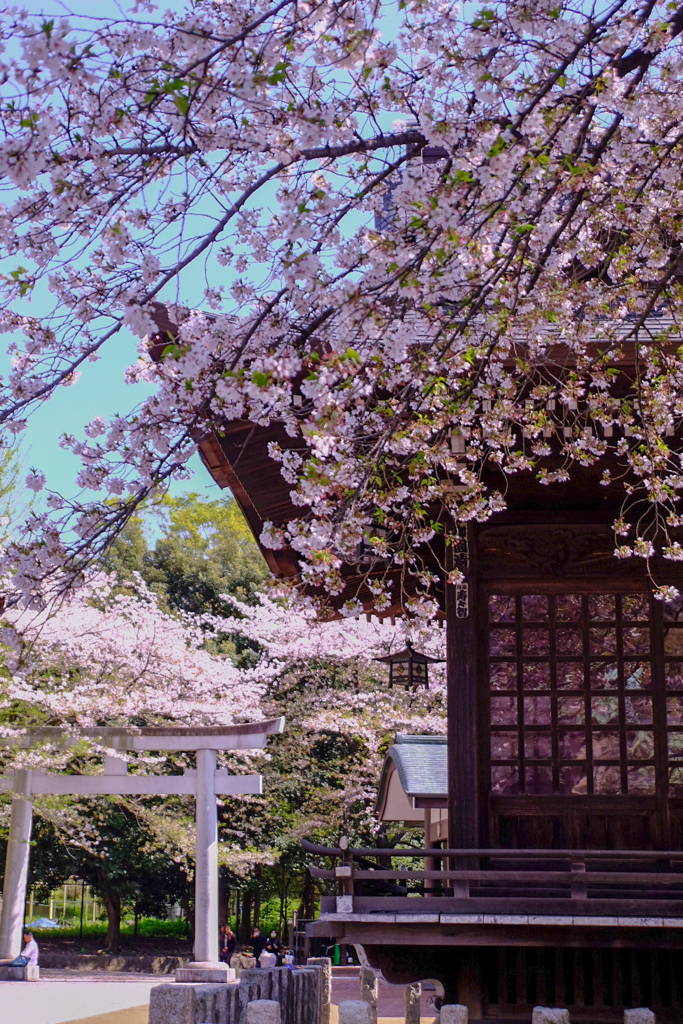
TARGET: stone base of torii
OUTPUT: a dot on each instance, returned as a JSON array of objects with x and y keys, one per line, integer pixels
[{"x": 204, "y": 784}]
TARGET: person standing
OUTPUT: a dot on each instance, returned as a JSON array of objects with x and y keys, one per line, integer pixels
[
  {"x": 228, "y": 943},
  {"x": 257, "y": 943}
]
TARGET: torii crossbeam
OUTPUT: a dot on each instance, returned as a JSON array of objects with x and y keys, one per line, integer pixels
[{"x": 204, "y": 784}]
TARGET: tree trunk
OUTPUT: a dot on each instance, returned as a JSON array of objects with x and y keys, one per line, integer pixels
[
  {"x": 257, "y": 908},
  {"x": 284, "y": 889},
  {"x": 245, "y": 917},
  {"x": 112, "y": 904},
  {"x": 307, "y": 910},
  {"x": 223, "y": 899}
]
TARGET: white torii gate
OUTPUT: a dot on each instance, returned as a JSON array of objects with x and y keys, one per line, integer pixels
[{"x": 204, "y": 784}]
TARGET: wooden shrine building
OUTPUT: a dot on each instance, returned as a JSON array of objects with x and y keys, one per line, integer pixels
[{"x": 560, "y": 881}]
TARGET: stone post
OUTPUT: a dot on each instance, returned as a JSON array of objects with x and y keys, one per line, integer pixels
[
  {"x": 549, "y": 1015},
  {"x": 206, "y": 861},
  {"x": 639, "y": 1015},
  {"x": 356, "y": 1011},
  {"x": 369, "y": 990},
  {"x": 263, "y": 1011},
  {"x": 325, "y": 985},
  {"x": 16, "y": 866},
  {"x": 453, "y": 1013},
  {"x": 411, "y": 998}
]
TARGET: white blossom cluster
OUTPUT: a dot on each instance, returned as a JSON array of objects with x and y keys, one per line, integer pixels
[
  {"x": 441, "y": 253},
  {"x": 101, "y": 656}
]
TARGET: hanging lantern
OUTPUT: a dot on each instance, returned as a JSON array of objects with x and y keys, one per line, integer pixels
[
  {"x": 367, "y": 550},
  {"x": 408, "y": 668}
]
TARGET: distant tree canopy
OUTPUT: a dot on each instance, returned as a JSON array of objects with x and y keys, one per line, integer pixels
[
  {"x": 122, "y": 858},
  {"x": 203, "y": 549}
]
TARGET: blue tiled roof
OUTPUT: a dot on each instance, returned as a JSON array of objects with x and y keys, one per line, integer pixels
[{"x": 422, "y": 764}]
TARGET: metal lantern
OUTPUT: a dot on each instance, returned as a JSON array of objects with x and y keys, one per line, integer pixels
[
  {"x": 367, "y": 552},
  {"x": 408, "y": 668}
]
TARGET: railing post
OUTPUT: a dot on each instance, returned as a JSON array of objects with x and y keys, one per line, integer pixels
[
  {"x": 344, "y": 875},
  {"x": 579, "y": 885},
  {"x": 461, "y": 887}
]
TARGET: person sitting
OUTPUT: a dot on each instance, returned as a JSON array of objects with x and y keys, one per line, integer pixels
[
  {"x": 29, "y": 954},
  {"x": 273, "y": 945},
  {"x": 228, "y": 941}
]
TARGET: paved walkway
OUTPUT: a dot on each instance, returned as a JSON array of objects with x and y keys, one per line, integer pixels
[
  {"x": 65, "y": 997},
  {"x": 60, "y": 997}
]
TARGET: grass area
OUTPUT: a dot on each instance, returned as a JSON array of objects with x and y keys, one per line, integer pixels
[{"x": 148, "y": 928}]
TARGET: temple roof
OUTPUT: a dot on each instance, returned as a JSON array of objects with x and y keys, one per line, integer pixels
[{"x": 237, "y": 456}]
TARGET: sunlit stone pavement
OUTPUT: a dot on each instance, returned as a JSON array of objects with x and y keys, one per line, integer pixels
[
  {"x": 98, "y": 997},
  {"x": 62, "y": 996}
]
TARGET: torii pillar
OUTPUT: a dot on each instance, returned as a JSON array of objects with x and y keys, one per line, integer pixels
[
  {"x": 204, "y": 784},
  {"x": 206, "y": 861},
  {"x": 16, "y": 867}
]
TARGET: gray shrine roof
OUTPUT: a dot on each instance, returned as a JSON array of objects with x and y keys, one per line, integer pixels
[{"x": 421, "y": 763}]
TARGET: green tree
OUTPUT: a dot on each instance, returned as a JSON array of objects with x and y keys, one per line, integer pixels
[
  {"x": 109, "y": 844},
  {"x": 203, "y": 549},
  {"x": 206, "y": 549},
  {"x": 320, "y": 777}
]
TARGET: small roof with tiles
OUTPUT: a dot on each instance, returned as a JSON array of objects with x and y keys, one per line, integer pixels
[{"x": 421, "y": 763}]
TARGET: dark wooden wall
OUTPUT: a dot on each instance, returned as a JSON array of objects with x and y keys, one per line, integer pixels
[{"x": 605, "y": 771}]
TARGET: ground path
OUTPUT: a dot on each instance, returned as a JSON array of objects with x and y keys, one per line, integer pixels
[{"x": 98, "y": 997}]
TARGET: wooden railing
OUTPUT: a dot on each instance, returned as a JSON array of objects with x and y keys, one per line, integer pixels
[{"x": 604, "y": 882}]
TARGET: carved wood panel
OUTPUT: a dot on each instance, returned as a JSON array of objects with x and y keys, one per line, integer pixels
[{"x": 551, "y": 551}]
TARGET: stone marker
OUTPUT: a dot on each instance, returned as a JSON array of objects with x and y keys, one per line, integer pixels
[
  {"x": 549, "y": 1015},
  {"x": 369, "y": 989},
  {"x": 263, "y": 1011},
  {"x": 356, "y": 1011},
  {"x": 411, "y": 999},
  {"x": 325, "y": 986},
  {"x": 208, "y": 973},
  {"x": 640, "y": 1015},
  {"x": 453, "y": 1013},
  {"x": 172, "y": 1004}
]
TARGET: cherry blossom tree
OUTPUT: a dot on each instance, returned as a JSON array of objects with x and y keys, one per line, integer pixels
[
  {"x": 106, "y": 657},
  {"x": 111, "y": 656},
  {"x": 321, "y": 774},
  {"x": 441, "y": 244}
]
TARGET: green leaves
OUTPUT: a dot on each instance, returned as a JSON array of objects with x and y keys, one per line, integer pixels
[
  {"x": 179, "y": 89},
  {"x": 21, "y": 277},
  {"x": 279, "y": 74}
]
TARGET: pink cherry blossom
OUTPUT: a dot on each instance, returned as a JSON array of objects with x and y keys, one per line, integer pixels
[{"x": 439, "y": 249}]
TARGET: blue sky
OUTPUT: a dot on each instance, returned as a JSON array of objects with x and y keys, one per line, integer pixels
[{"x": 101, "y": 389}]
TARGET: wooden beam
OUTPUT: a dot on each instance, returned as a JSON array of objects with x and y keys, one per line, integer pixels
[
  {"x": 463, "y": 802},
  {"x": 135, "y": 785}
]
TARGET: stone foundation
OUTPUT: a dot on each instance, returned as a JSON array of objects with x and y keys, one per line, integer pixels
[
  {"x": 356, "y": 1011},
  {"x": 145, "y": 964},
  {"x": 298, "y": 993},
  {"x": 10, "y": 973},
  {"x": 453, "y": 1013}
]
